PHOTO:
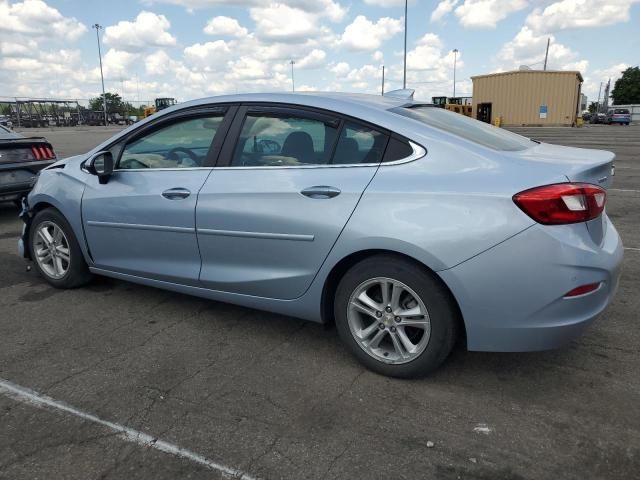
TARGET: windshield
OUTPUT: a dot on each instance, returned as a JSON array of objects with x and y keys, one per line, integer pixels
[
  {"x": 621, "y": 111},
  {"x": 465, "y": 127}
]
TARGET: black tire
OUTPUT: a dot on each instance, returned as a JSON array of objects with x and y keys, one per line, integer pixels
[
  {"x": 442, "y": 310},
  {"x": 77, "y": 273}
]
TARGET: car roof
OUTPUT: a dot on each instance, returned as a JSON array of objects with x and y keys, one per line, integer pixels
[{"x": 348, "y": 103}]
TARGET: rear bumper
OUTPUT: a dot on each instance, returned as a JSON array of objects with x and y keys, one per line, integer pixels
[
  {"x": 512, "y": 296},
  {"x": 16, "y": 179}
]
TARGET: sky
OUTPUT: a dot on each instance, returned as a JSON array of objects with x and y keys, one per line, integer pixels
[{"x": 195, "y": 48}]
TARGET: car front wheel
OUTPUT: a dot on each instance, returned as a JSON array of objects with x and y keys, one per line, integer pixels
[
  {"x": 395, "y": 316},
  {"x": 55, "y": 250}
]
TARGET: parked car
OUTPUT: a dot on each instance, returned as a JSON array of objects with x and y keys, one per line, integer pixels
[
  {"x": 598, "y": 118},
  {"x": 408, "y": 225},
  {"x": 586, "y": 116},
  {"x": 21, "y": 159},
  {"x": 619, "y": 115}
]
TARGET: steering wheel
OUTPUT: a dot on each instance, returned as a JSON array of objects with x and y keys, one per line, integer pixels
[
  {"x": 171, "y": 155},
  {"x": 268, "y": 146},
  {"x": 132, "y": 163}
]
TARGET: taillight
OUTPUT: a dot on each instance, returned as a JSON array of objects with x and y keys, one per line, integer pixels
[
  {"x": 43, "y": 152},
  {"x": 562, "y": 203}
]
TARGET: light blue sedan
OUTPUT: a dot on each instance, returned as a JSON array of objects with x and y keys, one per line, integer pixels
[{"x": 409, "y": 226}]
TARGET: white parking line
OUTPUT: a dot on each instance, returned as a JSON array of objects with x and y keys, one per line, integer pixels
[
  {"x": 623, "y": 190},
  {"x": 632, "y": 249},
  {"x": 25, "y": 395}
]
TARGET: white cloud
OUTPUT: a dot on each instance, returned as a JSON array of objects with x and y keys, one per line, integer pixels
[
  {"x": 28, "y": 48},
  {"x": 327, "y": 8},
  {"x": 209, "y": 55},
  {"x": 363, "y": 34},
  {"x": 487, "y": 13},
  {"x": 528, "y": 48},
  {"x": 341, "y": 69},
  {"x": 37, "y": 19},
  {"x": 148, "y": 30},
  {"x": 280, "y": 22},
  {"x": 443, "y": 9},
  {"x": 377, "y": 56},
  {"x": 226, "y": 26},
  {"x": 157, "y": 63},
  {"x": 315, "y": 59},
  {"x": 565, "y": 14}
]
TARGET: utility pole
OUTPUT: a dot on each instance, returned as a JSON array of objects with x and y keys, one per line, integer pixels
[
  {"x": 404, "y": 76},
  {"x": 382, "y": 80},
  {"x": 546, "y": 55},
  {"x": 599, "y": 92},
  {"x": 293, "y": 84},
  {"x": 455, "y": 61},
  {"x": 104, "y": 95}
]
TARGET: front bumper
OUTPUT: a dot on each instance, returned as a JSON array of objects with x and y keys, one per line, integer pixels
[
  {"x": 26, "y": 216},
  {"x": 512, "y": 296}
]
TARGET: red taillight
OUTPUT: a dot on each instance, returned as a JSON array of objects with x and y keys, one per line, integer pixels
[
  {"x": 562, "y": 203},
  {"x": 36, "y": 153},
  {"x": 43, "y": 153},
  {"x": 582, "y": 289}
]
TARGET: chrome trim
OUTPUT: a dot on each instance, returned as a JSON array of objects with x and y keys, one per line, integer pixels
[
  {"x": 270, "y": 236},
  {"x": 303, "y": 167},
  {"x": 138, "y": 226},
  {"x": 418, "y": 152},
  {"x": 176, "y": 169}
]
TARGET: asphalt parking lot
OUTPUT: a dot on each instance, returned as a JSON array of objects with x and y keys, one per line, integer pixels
[{"x": 275, "y": 397}]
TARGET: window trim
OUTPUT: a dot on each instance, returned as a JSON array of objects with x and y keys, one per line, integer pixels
[
  {"x": 228, "y": 112},
  {"x": 225, "y": 157}
]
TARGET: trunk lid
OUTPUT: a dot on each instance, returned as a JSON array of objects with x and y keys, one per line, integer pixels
[{"x": 577, "y": 164}]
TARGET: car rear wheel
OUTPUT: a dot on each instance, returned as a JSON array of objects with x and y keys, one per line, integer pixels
[
  {"x": 395, "y": 316},
  {"x": 55, "y": 251}
]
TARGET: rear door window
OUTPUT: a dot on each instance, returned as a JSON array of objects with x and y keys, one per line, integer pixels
[{"x": 277, "y": 139}]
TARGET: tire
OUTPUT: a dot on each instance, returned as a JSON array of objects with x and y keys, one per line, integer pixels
[
  {"x": 72, "y": 272},
  {"x": 358, "y": 329}
]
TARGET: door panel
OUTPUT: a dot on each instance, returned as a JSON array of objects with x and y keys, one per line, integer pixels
[
  {"x": 269, "y": 217},
  {"x": 259, "y": 235},
  {"x": 131, "y": 227}
]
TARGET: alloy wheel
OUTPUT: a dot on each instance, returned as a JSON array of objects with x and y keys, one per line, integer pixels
[
  {"x": 388, "y": 320},
  {"x": 51, "y": 250}
]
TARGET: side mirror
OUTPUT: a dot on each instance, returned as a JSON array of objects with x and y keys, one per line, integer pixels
[{"x": 101, "y": 165}]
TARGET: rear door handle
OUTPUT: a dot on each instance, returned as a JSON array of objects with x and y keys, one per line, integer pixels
[
  {"x": 321, "y": 191},
  {"x": 176, "y": 193}
]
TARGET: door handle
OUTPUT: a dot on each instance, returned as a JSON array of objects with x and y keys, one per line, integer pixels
[
  {"x": 321, "y": 191},
  {"x": 176, "y": 193}
]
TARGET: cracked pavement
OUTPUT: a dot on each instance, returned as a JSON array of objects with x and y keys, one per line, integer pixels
[{"x": 277, "y": 397}]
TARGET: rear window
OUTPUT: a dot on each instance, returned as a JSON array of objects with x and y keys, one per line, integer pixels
[
  {"x": 467, "y": 128},
  {"x": 621, "y": 111}
]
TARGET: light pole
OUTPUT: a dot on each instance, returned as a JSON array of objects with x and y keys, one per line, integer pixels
[
  {"x": 104, "y": 95},
  {"x": 382, "y": 80},
  {"x": 404, "y": 75},
  {"x": 293, "y": 84},
  {"x": 455, "y": 61}
]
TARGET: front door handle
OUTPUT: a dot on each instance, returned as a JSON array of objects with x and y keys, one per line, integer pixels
[
  {"x": 176, "y": 193},
  {"x": 321, "y": 191}
]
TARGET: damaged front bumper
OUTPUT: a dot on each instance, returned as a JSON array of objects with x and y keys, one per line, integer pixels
[{"x": 26, "y": 215}]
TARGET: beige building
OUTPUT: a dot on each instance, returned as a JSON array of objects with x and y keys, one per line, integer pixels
[{"x": 527, "y": 97}]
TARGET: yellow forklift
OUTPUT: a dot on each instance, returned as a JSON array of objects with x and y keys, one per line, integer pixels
[
  {"x": 461, "y": 105},
  {"x": 160, "y": 104}
]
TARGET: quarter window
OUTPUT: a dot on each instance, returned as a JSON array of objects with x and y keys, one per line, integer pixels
[
  {"x": 183, "y": 144},
  {"x": 283, "y": 140},
  {"x": 359, "y": 144}
]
